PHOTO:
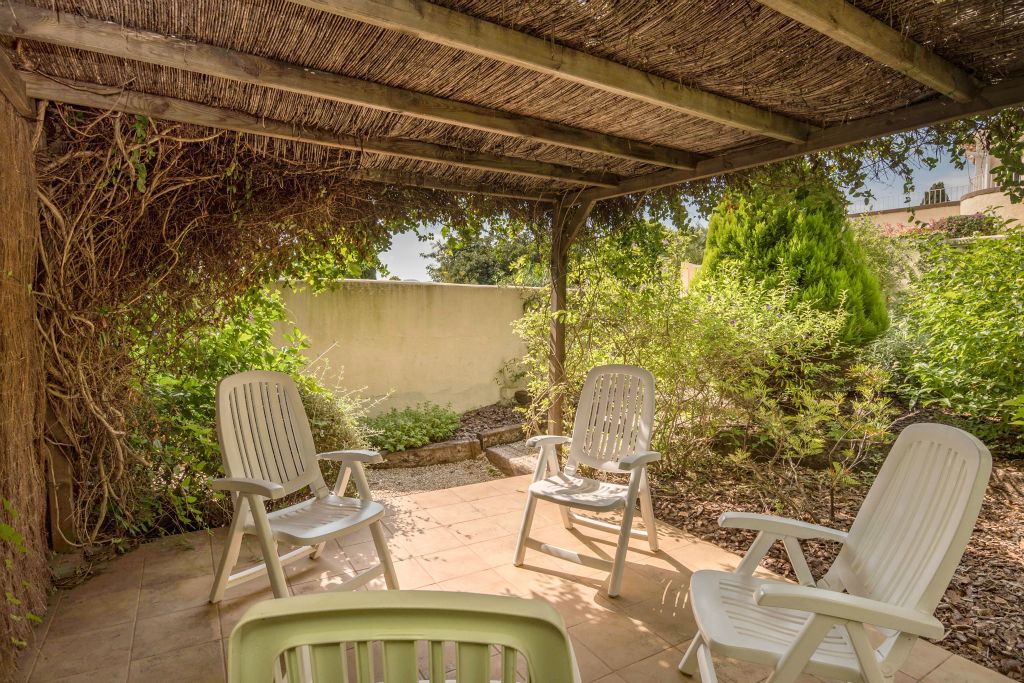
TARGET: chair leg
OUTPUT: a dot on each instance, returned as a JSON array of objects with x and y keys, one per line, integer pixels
[
  {"x": 566, "y": 516},
  {"x": 318, "y": 550},
  {"x": 229, "y": 557},
  {"x": 269, "y": 547},
  {"x": 689, "y": 663},
  {"x": 615, "y": 583},
  {"x": 383, "y": 555},
  {"x": 524, "y": 530},
  {"x": 647, "y": 512}
]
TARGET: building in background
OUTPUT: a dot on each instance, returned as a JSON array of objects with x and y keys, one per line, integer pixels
[{"x": 979, "y": 193}]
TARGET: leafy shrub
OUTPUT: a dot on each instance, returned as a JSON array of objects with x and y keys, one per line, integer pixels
[
  {"x": 178, "y": 436},
  {"x": 971, "y": 225},
  {"x": 742, "y": 370},
  {"x": 397, "y": 430},
  {"x": 803, "y": 237},
  {"x": 957, "y": 339}
]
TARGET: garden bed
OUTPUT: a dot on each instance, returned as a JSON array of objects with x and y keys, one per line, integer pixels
[
  {"x": 983, "y": 608},
  {"x": 478, "y": 430}
]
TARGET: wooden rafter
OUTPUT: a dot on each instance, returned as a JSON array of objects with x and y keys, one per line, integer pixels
[
  {"x": 1006, "y": 94},
  {"x": 108, "y": 38},
  {"x": 388, "y": 177},
  {"x": 845, "y": 23},
  {"x": 13, "y": 88},
  {"x": 183, "y": 111},
  {"x": 461, "y": 31}
]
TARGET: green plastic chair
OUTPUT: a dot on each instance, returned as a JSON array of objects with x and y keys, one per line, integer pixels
[{"x": 401, "y": 637}]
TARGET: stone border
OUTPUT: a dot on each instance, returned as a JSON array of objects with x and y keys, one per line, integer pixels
[{"x": 455, "y": 450}]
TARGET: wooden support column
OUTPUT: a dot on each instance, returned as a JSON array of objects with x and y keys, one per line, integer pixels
[
  {"x": 567, "y": 223},
  {"x": 25, "y": 576}
]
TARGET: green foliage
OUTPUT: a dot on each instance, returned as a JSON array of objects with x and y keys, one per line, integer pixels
[
  {"x": 488, "y": 253},
  {"x": 398, "y": 430},
  {"x": 887, "y": 256},
  {"x": 956, "y": 340},
  {"x": 178, "y": 436},
  {"x": 14, "y": 606},
  {"x": 743, "y": 370},
  {"x": 804, "y": 237},
  {"x": 970, "y": 225}
]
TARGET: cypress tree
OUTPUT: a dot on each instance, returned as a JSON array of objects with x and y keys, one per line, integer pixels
[{"x": 804, "y": 236}]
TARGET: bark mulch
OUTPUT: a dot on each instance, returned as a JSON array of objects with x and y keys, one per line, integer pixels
[
  {"x": 983, "y": 608},
  {"x": 481, "y": 419}
]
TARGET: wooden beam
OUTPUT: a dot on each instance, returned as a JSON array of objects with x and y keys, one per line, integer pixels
[
  {"x": 388, "y": 177},
  {"x": 567, "y": 223},
  {"x": 1006, "y": 94},
  {"x": 463, "y": 32},
  {"x": 70, "y": 30},
  {"x": 843, "y": 22},
  {"x": 13, "y": 88},
  {"x": 171, "y": 109}
]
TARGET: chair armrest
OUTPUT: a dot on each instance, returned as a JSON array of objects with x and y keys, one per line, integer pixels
[
  {"x": 779, "y": 526},
  {"x": 637, "y": 460},
  {"x": 351, "y": 456},
  {"x": 546, "y": 440},
  {"x": 850, "y": 608},
  {"x": 261, "y": 487}
]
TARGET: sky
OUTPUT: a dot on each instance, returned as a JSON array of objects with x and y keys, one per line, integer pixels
[{"x": 405, "y": 260}]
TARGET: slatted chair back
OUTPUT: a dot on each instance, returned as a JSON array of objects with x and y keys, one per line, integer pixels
[
  {"x": 614, "y": 417},
  {"x": 264, "y": 432},
  {"x": 401, "y": 636},
  {"x": 916, "y": 520}
]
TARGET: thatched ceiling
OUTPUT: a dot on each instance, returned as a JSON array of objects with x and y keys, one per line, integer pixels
[{"x": 737, "y": 49}]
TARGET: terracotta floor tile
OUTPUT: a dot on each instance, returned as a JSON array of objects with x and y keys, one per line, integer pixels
[
  {"x": 612, "y": 678},
  {"x": 484, "y": 489},
  {"x": 177, "y": 595},
  {"x": 505, "y": 502},
  {"x": 495, "y": 552},
  {"x": 957, "y": 670},
  {"x": 411, "y": 574},
  {"x": 478, "y": 530},
  {"x": 108, "y": 674},
  {"x": 175, "y": 630},
  {"x": 78, "y": 614},
  {"x": 231, "y": 611},
  {"x": 454, "y": 513},
  {"x": 333, "y": 561},
  {"x": 205, "y": 665},
  {"x": 924, "y": 658},
  {"x": 671, "y": 618},
  {"x": 116, "y": 575},
  {"x": 618, "y": 640},
  {"x": 450, "y": 564},
  {"x": 658, "y": 668},
  {"x": 431, "y": 499},
  {"x": 421, "y": 542},
  {"x": 487, "y": 581},
  {"x": 83, "y": 652},
  {"x": 591, "y": 666}
]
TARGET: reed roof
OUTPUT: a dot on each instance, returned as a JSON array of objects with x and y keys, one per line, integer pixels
[{"x": 739, "y": 49}]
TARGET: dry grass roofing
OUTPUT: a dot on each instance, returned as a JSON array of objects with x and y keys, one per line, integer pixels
[{"x": 528, "y": 99}]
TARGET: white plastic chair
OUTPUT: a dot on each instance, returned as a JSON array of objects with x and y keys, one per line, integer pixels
[
  {"x": 894, "y": 566},
  {"x": 268, "y": 453},
  {"x": 392, "y": 636},
  {"x": 612, "y": 432}
]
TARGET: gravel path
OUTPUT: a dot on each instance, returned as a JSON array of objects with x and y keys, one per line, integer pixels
[{"x": 402, "y": 481}]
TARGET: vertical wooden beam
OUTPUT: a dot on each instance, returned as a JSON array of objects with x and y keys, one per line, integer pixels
[
  {"x": 567, "y": 223},
  {"x": 25, "y": 576},
  {"x": 12, "y": 88}
]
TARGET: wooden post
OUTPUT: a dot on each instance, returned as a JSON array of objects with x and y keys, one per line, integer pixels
[
  {"x": 25, "y": 576},
  {"x": 567, "y": 223}
]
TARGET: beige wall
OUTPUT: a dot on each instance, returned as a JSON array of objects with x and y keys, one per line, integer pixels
[
  {"x": 417, "y": 341},
  {"x": 974, "y": 202}
]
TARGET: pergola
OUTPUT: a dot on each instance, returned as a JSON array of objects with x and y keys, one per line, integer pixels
[{"x": 562, "y": 103}]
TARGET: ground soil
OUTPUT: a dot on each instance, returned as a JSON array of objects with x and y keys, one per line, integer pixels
[
  {"x": 496, "y": 415},
  {"x": 983, "y": 609}
]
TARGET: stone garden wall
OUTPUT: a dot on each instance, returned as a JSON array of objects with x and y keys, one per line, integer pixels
[{"x": 416, "y": 341}]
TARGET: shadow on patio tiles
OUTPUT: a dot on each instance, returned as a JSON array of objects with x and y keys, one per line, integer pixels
[{"x": 146, "y": 617}]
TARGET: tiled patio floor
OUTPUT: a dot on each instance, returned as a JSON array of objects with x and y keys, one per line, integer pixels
[{"x": 146, "y": 618}]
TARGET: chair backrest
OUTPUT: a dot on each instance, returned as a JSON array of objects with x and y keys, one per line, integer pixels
[
  {"x": 916, "y": 520},
  {"x": 614, "y": 417},
  {"x": 400, "y": 636},
  {"x": 263, "y": 430}
]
